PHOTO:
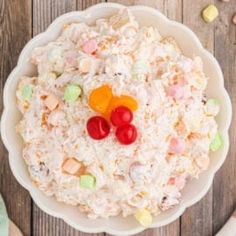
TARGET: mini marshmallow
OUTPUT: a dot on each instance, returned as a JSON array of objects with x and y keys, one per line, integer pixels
[
  {"x": 27, "y": 92},
  {"x": 72, "y": 166},
  {"x": 175, "y": 91},
  {"x": 51, "y": 102},
  {"x": 85, "y": 65},
  {"x": 210, "y": 13},
  {"x": 216, "y": 143},
  {"x": 144, "y": 217},
  {"x": 180, "y": 182},
  {"x": 177, "y": 145},
  {"x": 87, "y": 181},
  {"x": 90, "y": 46},
  {"x": 203, "y": 162},
  {"x": 212, "y": 107},
  {"x": 72, "y": 92}
]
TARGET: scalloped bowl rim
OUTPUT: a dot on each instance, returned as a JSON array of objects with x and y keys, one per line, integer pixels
[{"x": 106, "y": 228}]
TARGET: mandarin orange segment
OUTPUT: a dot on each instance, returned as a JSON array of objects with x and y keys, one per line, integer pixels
[
  {"x": 100, "y": 98},
  {"x": 113, "y": 104},
  {"x": 123, "y": 100},
  {"x": 129, "y": 102}
]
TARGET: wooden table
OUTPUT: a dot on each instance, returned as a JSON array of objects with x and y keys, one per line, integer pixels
[{"x": 20, "y": 20}]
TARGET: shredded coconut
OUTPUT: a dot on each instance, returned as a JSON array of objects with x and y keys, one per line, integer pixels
[{"x": 134, "y": 61}]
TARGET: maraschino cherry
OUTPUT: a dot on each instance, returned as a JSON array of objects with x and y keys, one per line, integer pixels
[
  {"x": 98, "y": 128},
  {"x": 121, "y": 115},
  {"x": 126, "y": 134}
]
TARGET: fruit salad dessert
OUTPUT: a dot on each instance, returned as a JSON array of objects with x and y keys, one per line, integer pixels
[{"x": 116, "y": 119}]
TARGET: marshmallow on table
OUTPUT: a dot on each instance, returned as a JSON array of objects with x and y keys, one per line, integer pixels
[{"x": 210, "y": 13}]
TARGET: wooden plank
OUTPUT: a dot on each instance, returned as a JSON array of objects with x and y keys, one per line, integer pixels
[
  {"x": 83, "y": 4},
  {"x": 197, "y": 220},
  {"x": 173, "y": 9},
  {"x": 45, "y": 225},
  {"x": 158, "y": 4},
  {"x": 224, "y": 191},
  {"x": 15, "y": 31},
  {"x": 44, "y": 12}
]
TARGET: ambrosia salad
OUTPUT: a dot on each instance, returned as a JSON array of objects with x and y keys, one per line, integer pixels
[{"x": 116, "y": 121}]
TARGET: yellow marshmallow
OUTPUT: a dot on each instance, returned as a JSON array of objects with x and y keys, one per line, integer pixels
[
  {"x": 144, "y": 217},
  {"x": 210, "y": 13}
]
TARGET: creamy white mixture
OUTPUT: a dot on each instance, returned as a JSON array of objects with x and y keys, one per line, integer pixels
[{"x": 169, "y": 89}]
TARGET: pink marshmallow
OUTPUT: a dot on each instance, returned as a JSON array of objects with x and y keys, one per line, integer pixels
[
  {"x": 171, "y": 181},
  {"x": 177, "y": 145},
  {"x": 70, "y": 58},
  {"x": 180, "y": 182},
  {"x": 175, "y": 91},
  {"x": 90, "y": 46}
]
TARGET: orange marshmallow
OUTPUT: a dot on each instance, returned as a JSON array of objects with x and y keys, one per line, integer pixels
[
  {"x": 51, "y": 102},
  {"x": 72, "y": 166}
]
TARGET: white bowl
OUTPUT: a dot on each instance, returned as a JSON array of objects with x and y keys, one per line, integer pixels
[{"x": 190, "y": 45}]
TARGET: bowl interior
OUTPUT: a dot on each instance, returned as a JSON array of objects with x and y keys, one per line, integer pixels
[{"x": 71, "y": 214}]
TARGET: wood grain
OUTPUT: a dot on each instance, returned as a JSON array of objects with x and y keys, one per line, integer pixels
[
  {"x": 197, "y": 220},
  {"x": 82, "y": 4},
  {"x": 15, "y": 31},
  {"x": 44, "y": 12},
  {"x": 172, "y": 9},
  {"x": 224, "y": 192},
  {"x": 20, "y": 19}
]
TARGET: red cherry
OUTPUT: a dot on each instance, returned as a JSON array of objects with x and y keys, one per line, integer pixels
[
  {"x": 98, "y": 127},
  {"x": 121, "y": 115},
  {"x": 126, "y": 134}
]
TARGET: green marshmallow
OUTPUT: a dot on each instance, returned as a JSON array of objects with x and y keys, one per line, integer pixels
[
  {"x": 216, "y": 143},
  {"x": 27, "y": 92},
  {"x": 212, "y": 102},
  {"x": 72, "y": 92},
  {"x": 212, "y": 107},
  {"x": 87, "y": 181}
]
